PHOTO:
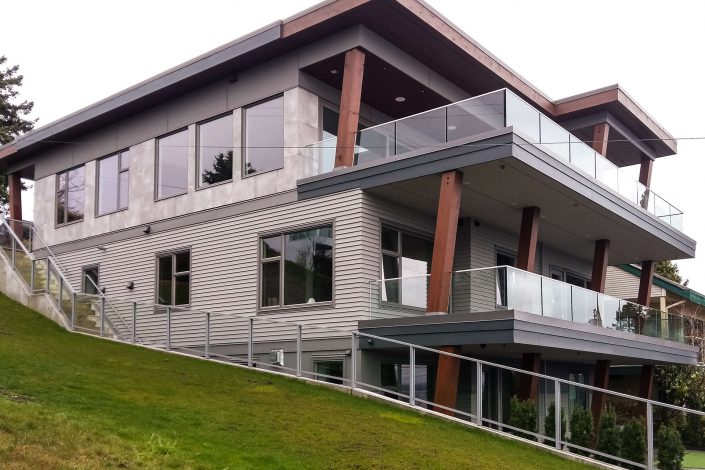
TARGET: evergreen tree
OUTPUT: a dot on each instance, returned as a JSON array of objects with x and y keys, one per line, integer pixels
[
  {"x": 669, "y": 270},
  {"x": 222, "y": 169},
  {"x": 13, "y": 121}
]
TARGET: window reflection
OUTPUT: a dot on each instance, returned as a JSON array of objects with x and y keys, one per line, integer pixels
[
  {"x": 172, "y": 165},
  {"x": 264, "y": 136},
  {"x": 215, "y": 152},
  {"x": 70, "y": 195}
]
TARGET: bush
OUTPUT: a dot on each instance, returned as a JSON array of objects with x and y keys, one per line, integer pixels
[
  {"x": 608, "y": 435},
  {"x": 581, "y": 428},
  {"x": 522, "y": 415},
  {"x": 694, "y": 432},
  {"x": 634, "y": 441},
  {"x": 549, "y": 423},
  {"x": 670, "y": 449}
]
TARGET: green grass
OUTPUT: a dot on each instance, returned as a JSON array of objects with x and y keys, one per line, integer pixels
[
  {"x": 71, "y": 401},
  {"x": 694, "y": 460}
]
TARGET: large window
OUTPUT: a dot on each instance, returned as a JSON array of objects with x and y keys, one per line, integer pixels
[
  {"x": 264, "y": 136},
  {"x": 113, "y": 182},
  {"x": 174, "y": 278},
  {"x": 406, "y": 256},
  {"x": 298, "y": 265},
  {"x": 70, "y": 192},
  {"x": 215, "y": 151},
  {"x": 172, "y": 165}
]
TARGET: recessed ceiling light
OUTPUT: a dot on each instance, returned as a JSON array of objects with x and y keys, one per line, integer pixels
[
  {"x": 334, "y": 71},
  {"x": 399, "y": 99},
  {"x": 543, "y": 216},
  {"x": 587, "y": 235},
  {"x": 452, "y": 128},
  {"x": 514, "y": 203}
]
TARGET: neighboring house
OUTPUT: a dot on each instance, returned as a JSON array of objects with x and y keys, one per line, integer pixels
[{"x": 365, "y": 165}]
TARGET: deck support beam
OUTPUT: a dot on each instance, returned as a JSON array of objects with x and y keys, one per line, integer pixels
[
  {"x": 646, "y": 386},
  {"x": 647, "y": 166},
  {"x": 529, "y": 384},
  {"x": 602, "y": 380},
  {"x": 645, "y": 282},
  {"x": 599, "y": 265},
  {"x": 600, "y": 138},
  {"x": 349, "y": 117},
  {"x": 528, "y": 238},
  {"x": 14, "y": 191}
]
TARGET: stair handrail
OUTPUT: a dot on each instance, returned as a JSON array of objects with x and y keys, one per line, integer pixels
[{"x": 102, "y": 295}]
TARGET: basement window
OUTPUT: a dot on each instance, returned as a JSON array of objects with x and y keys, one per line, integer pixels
[{"x": 174, "y": 278}]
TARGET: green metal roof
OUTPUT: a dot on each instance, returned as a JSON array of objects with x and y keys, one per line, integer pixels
[{"x": 671, "y": 286}]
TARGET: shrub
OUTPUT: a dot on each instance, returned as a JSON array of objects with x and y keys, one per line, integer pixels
[
  {"x": 634, "y": 441},
  {"x": 694, "y": 432},
  {"x": 549, "y": 423},
  {"x": 522, "y": 415},
  {"x": 670, "y": 449},
  {"x": 581, "y": 428},
  {"x": 608, "y": 436}
]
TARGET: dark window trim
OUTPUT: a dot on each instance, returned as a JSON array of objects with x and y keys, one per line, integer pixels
[
  {"x": 156, "y": 163},
  {"x": 260, "y": 261},
  {"x": 243, "y": 138},
  {"x": 83, "y": 275},
  {"x": 199, "y": 184},
  {"x": 173, "y": 253},
  {"x": 56, "y": 196},
  {"x": 97, "y": 183}
]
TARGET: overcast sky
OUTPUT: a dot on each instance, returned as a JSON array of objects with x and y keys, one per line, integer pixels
[{"x": 73, "y": 53}]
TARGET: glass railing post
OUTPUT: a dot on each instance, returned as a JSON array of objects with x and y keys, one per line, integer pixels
[
  {"x": 572, "y": 313},
  {"x": 14, "y": 252},
  {"x": 299, "y": 346},
  {"x": 168, "y": 328},
  {"x": 207, "y": 352},
  {"x": 557, "y": 412},
  {"x": 649, "y": 436},
  {"x": 249, "y": 341},
  {"x": 412, "y": 376},
  {"x": 31, "y": 276},
  {"x": 134, "y": 322},
  {"x": 478, "y": 393},
  {"x": 102, "y": 316},
  {"x": 541, "y": 296},
  {"x": 353, "y": 360},
  {"x": 73, "y": 311}
]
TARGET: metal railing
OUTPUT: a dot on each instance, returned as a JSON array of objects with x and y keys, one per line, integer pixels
[
  {"x": 492, "y": 111},
  {"x": 506, "y": 287}
]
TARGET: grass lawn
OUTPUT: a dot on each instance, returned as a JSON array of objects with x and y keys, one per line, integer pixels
[
  {"x": 71, "y": 401},
  {"x": 694, "y": 460}
]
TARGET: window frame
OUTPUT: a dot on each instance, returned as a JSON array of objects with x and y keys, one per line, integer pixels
[
  {"x": 174, "y": 273},
  {"x": 199, "y": 184},
  {"x": 329, "y": 378},
  {"x": 119, "y": 172},
  {"x": 564, "y": 273},
  {"x": 57, "y": 177},
  {"x": 243, "y": 138},
  {"x": 399, "y": 255},
  {"x": 156, "y": 164},
  {"x": 84, "y": 269},
  {"x": 282, "y": 255}
]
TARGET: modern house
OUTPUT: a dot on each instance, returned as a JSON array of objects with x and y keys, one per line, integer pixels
[{"x": 361, "y": 166}]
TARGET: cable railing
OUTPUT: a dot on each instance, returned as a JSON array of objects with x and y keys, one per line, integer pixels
[
  {"x": 509, "y": 288},
  {"x": 474, "y": 116}
]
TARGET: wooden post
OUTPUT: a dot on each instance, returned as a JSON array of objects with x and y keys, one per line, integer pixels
[
  {"x": 444, "y": 241},
  {"x": 349, "y": 117},
  {"x": 647, "y": 166},
  {"x": 645, "y": 282},
  {"x": 14, "y": 190},
  {"x": 602, "y": 380},
  {"x": 599, "y": 265},
  {"x": 600, "y": 138},
  {"x": 529, "y": 384},
  {"x": 446, "y": 393},
  {"x": 528, "y": 238},
  {"x": 646, "y": 385}
]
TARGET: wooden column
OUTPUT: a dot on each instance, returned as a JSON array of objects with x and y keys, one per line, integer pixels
[
  {"x": 14, "y": 191},
  {"x": 446, "y": 393},
  {"x": 602, "y": 380},
  {"x": 647, "y": 166},
  {"x": 646, "y": 386},
  {"x": 645, "y": 282},
  {"x": 444, "y": 241},
  {"x": 600, "y": 137},
  {"x": 528, "y": 237},
  {"x": 349, "y": 107},
  {"x": 446, "y": 390},
  {"x": 529, "y": 384},
  {"x": 599, "y": 265}
]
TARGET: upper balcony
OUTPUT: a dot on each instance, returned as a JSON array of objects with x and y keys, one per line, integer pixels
[{"x": 440, "y": 127}]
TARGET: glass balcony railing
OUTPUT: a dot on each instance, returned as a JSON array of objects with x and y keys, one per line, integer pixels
[
  {"x": 507, "y": 288},
  {"x": 492, "y": 111}
]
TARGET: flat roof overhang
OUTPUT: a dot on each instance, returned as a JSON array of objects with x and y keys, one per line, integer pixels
[
  {"x": 502, "y": 173},
  {"x": 510, "y": 333}
]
